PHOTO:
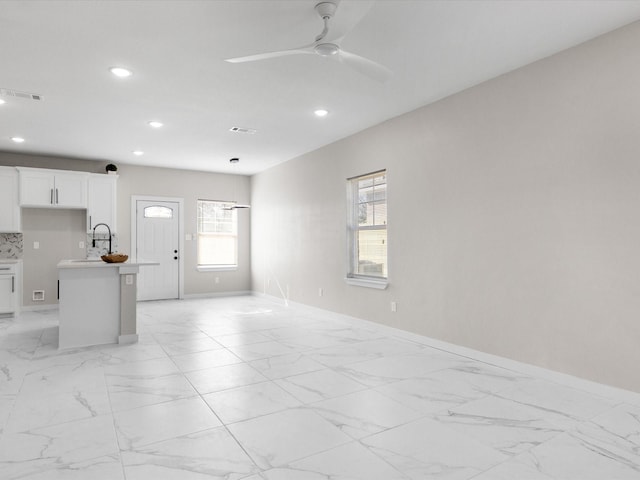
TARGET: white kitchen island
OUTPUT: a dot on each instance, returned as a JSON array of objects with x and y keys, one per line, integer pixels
[{"x": 97, "y": 302}]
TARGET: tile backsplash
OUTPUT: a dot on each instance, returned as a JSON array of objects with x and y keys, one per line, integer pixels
[
  {"x": 102, "y": 244},
  {"x": 11, "y": 245}
]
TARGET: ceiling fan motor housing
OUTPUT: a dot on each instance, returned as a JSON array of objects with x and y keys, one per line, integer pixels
[{"x": 326, "y": 9}]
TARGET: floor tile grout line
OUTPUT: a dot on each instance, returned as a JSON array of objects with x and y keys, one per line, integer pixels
[{"x": 223, "y": 425}]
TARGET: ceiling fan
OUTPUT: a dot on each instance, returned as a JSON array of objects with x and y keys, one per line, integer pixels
[{"x": 325, "y": 48}]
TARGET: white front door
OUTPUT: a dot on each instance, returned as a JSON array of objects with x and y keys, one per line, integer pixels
[{"x": 158, "y": 240}]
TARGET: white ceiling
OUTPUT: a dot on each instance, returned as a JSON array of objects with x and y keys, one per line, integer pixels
[{"x": 62, "y": 50}]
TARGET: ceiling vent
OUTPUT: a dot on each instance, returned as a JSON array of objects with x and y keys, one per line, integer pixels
[
  {"x": 6, "y": 92},
  {"x": 249, "y": 131}
]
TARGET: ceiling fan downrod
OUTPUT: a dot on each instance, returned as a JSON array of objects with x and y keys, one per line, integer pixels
[{"x": 326, "y": 11}]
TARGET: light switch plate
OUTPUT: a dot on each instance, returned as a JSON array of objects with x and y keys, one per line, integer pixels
[{"x": 36, "y": 245}]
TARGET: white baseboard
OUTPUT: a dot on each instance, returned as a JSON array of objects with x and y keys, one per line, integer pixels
[
  {"x": 238, "y": 293},
  {"x": 126, "y": 339},
  {"x": 35, "y": 308}
]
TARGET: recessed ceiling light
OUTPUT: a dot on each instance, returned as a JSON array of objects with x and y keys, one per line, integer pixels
[
  {"x": 17, "y": 139},
  {"x": 321, "y": 112},
  {"x": 121, "y": 72},
  {"x": 138, "y": 152},
  {"x": 155, "y": 124}
]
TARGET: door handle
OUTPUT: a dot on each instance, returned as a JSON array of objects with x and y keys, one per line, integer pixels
[
  {"x": 13, "y": 284},
  {"x": 51, "y": 201},
  {"x": 56, "y": 196}
]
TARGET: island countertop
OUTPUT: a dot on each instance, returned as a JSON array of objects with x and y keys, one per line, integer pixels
[{"x": 98, "y": 263}]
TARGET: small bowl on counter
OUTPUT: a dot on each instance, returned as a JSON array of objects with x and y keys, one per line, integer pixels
[{"x": 115, "y": 258}]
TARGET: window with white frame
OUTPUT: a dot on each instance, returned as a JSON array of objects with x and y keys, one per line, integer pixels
[
  {"x": 367, "y": 226},
  {"x": 217, "y": 234}
]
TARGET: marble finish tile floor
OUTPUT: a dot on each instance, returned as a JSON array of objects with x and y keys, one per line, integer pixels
[{"x": 244, "y": 388}]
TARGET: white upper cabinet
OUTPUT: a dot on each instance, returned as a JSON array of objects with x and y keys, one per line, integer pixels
[
  {"x": 71, "y": 190},
  {"x": 52, "y": 188},
  {"x": 10, "y": 209},
  {"x": 36, "y": 187},
  {"x": 101, "y": 204}
]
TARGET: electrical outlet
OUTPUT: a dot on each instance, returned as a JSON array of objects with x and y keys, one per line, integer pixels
[
  {"x": 320, "y": 292},
  {"x": 81, "y": 245},
  {"x": 36, "y": 245},
  {"x": 217, "y": 280},
  {"x": 394, "y": 307},
  {"x": 128, "y": 279}
]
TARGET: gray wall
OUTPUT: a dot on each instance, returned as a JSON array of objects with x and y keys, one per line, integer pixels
[
  {"x": 191, "y": 186},
  {"x": 513, "y": 216},
  {"x": 59, "y": 231}
]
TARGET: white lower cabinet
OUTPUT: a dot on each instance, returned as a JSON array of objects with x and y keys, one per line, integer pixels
[
  {"x": 7, "y": 294},
  {"x": 8, "y": 288}
]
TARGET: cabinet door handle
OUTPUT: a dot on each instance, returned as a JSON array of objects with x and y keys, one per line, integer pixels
[
  {"x": 90, "y": 222},
  {"x": 56, "y": 195},
  {"x": 13, "y": 284},
  {"x": 5, "y": 268},
  {"x": 51, "y": 196}
]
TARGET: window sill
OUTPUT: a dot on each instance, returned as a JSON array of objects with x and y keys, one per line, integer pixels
[
  {"x": 217, "y": 268},
  {"x": 367, "y": 282}
]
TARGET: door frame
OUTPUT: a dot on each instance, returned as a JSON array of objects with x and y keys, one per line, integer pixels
[{"x": 134, "y": 232}]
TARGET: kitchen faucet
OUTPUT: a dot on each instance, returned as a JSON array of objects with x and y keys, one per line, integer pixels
[{"x": 94, "y": 235}]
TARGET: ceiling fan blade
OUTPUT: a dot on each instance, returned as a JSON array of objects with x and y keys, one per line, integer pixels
[
  {"x": 365, "y": 66},
  {"x": 263, "y": 56}
]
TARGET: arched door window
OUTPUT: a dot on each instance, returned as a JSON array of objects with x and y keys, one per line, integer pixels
[{"x": 158, "y": 211}]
